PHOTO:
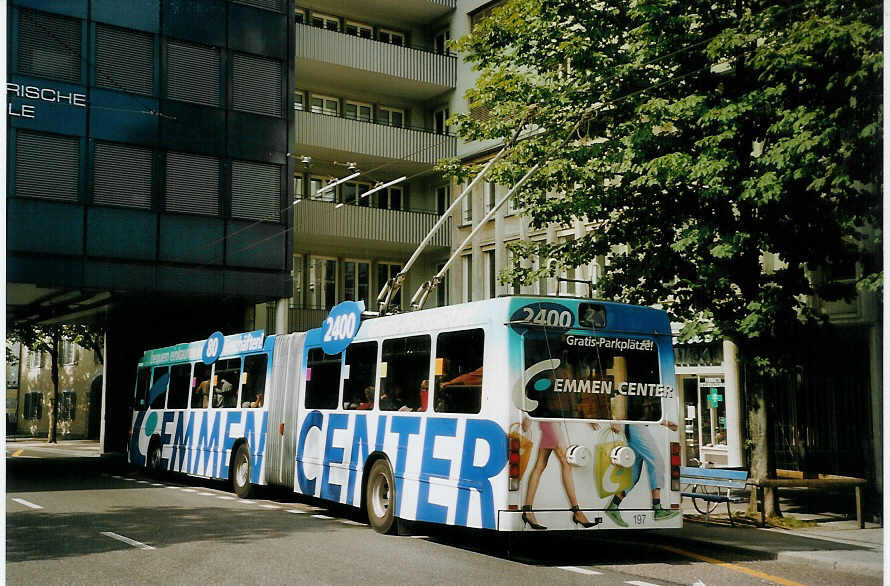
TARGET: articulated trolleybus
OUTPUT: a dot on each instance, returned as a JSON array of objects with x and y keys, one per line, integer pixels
[{"x": 516, "y": 413}]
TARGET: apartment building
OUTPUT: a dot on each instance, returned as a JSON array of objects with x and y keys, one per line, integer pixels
[{"x": 373, "y": 83}]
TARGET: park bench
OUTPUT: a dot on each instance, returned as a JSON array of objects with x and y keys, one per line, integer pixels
[
  {"x": 713, "y": 486},
  {"x": 789, "y": 478}
]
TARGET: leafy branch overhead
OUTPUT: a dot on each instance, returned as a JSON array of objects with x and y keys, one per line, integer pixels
[{"x": 732, "y": 150}]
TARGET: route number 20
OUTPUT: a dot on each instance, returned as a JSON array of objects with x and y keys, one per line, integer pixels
[
  {"x": 548, "y": 317},
  {"x": 341, "y": 327}
]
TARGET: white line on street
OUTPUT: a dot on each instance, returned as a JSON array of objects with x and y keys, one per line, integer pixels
[
  {"x": 419, "y": 536},
  {"x": 206, "y": 494},
  {"x": 351, "y": 522},
  {"x": 156, "y": 484},
  {"x": 117, "y": 476},
  {"x": 578, "y": 570},
  {"x": 226, "y": 497},
  {"x": 28, "y": 504},
  {"x": 322, "y": 517},
  {"x": 247, "y": 502},
  {"x": 188, "y": 490},
  {"x": 296, "y": 512},
  {"x": 126, "y": 540},
  {"x": 270, "y": 506},
  {"x": 640, "y": 583},
  {"x": 143, "y": 482}
]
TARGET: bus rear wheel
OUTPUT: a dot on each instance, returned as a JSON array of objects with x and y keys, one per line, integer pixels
[
  {"x": 380, "y": 492},
  {"x": 154, "y": 460},
  {"x": 241, "y": 472}
]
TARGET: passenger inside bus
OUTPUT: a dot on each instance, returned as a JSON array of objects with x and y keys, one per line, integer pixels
[
  {"x": 257, "y": 403},
  {"x": 368, "y": 402}
]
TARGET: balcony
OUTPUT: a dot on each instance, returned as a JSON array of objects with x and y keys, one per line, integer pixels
[
  {"x": 330, "y": 58},
  {"x": 323, "y": 226},
  {"x": 333, "y": 138}
]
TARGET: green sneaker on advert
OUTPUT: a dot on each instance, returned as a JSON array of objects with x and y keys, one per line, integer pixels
[
  {"x": 662, "y": 514},
  {"x": 613, "y": 513}
]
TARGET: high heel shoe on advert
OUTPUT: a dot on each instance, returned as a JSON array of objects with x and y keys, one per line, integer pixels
[
  {"x": 585, "y": 523},
  {"x": 528, "y": 517}
]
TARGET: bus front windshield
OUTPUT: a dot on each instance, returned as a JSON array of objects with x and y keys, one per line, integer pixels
[{"x": 592, "y": 377}]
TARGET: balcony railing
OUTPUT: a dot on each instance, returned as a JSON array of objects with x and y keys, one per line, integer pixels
[
  {"x": 317, "y": 44},
  {"x": 376, "y": 140},
  {"x": 316, "y": 221}
]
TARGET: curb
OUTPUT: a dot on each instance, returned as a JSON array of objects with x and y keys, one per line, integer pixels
[{"x": 818, "y": 558}]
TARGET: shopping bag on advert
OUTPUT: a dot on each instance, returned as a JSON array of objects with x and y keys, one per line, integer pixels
[{"x": 610, "y": 478}]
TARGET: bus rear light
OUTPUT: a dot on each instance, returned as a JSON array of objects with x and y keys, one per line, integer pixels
[
  {"x": 675, "y": 466},
  {"x": 513, "y": 459}
]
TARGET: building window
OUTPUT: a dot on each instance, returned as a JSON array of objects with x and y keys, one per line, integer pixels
[
  {"x": 49, "y": 46},
  {"x": 352, "y": 193},
  {"x": 491, "y": 274},
  {"x": 297, "y": 299},
  {"x": 68, "y": 353},
  {"x": 391, "y": 116},
  {"x": 467, "y": 278},
  {"x": 331, "y": 23},
  {"x": 299, "y": 100},
  {"x": 391, "y": 37},
  {"x": 122, "y": 175},
  {"x": 357, "y": 281},
  {"x": 443, "y": 199},
  {"x": 67, "y": 405},
  {"x": 256, "y": 191},
  {"x": 385, "y": 272},
  {"x": 440, "y": 121},
  {"x": 274, "y": 5},
  {"x": 193, "y": 73},
  {"x": 192, "y": 185},
  {"x": 358, "y": 29},
  {"x": 316, "y": 184},
  {"x": 299, "y": 16},
  {"x": 35, "y": 359},
  {"x": 489, "y": 193},
  {"x": 324, "y": 105},
  {"x": 47, "y": 166},
  {"x": 33, "y": 407},
  {"x": 391, "y": 198},
  {"x": 442, "y": 289},
  {"x": 322, "y": 282},
  {"x": 124, "y": 60},
  {"x": 357, "y": 111},
  {"x": 257, "y": 85},
  {"x": 440, "y": 42},
  {"x": 466, "y": 208},
  {"x": 483, "y": 13},
  {"x": 298, "y": 187},
  {"x": 322, "y": 379}
]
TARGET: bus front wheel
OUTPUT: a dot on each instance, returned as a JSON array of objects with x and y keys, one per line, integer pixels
[
  {"x": 241, "y": 472},
  {"x": 380, "y": 500}
]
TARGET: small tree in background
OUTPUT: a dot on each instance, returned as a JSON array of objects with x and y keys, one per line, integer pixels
[
  {"x": 696, "y": 137},
  {"x": 49, "y": 339}
]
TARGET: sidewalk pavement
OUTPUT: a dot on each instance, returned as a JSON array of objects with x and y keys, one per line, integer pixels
[{"x": 836, "y": 543}]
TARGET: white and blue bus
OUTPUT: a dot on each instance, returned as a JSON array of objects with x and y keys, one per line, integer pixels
[{"x": 516, "y": 413}]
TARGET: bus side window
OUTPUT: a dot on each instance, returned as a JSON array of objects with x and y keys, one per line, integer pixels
[
  {"x": 358, "y": 389},
  {"x": 322, "y": 380},
  {"x": 459, "y": 372},
  {"x": 254, "y": 380},
  {"x": 407, "y": 370},
  {"x": 157, "y": 394},
  {"x": 226, "y": 379},
  {"x": 200, "y": 386},
  {"x": 143, "y": 377},
  {"x": 178, "y": 394}
]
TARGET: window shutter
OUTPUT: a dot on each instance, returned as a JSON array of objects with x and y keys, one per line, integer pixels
[
  {"x": 124, "y": 60},
  {"x": 193, "y": 73},
  {"x": 256, "y": 191},
  {"x": 256, "y": 85},
  {"x": 274, "y": 5},
  {"x": 192, "y": 184},
  {"x": 49, "y": 46},
  {"x": 46, "y": 166},
  {"x": 122, "y": 176}
]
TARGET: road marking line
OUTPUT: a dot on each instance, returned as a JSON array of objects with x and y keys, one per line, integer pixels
[
  {"x": 351, "y": 522},
  {"x": 322, "y": 517},
  {"x": 156, "y": 484},
  {"x": 126, "y": 540},
  {"x": 270, "y": 506},
  {"x": 730, "y": 566},
  {"x": 247, "y": 501},
  {"x": 640, "y": 583},
  {"x": 419, "y": 536},
  {"x": 578, "y": 570},
  {"x": 296, "y": 512},
  {"x": 28, "y": 504},
  {"x": 206, "y": 494},
  {"x": 143, "y": 482},
  {"x": 188, "y": 490},
  {"x": 226, "y": 498},
  {"x": 119, "y": 477},
  {"x": 18, "y": 453}
]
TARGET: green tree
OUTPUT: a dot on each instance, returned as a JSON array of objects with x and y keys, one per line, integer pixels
[
  {"x": 703, "y": 137},
  {"x": 48, "y": 338}
]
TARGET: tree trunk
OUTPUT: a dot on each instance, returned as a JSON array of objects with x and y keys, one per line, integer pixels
[
  {"x": 762, "y": 463},
  {"x": 54, "y": 373}
]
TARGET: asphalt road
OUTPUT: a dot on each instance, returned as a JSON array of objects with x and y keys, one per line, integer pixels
[{"x": 73, "y": 520}]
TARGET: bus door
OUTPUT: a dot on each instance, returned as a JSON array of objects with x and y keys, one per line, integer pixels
[{"x": 281, "y": 438}]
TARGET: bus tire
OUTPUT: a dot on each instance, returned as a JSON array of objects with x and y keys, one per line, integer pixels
[
  {"x": 380, "y": 492},
  {"x": 241, "y": 472},
  {"x": 153, "y": 462}
]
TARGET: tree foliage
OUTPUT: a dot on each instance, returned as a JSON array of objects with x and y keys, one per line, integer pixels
[{"x": 701, "y": 136}]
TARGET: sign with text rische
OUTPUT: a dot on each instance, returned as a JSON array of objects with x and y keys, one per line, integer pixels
[
  {"x": 341, "y": 325},
  {"x": 39, "y": 94}
]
